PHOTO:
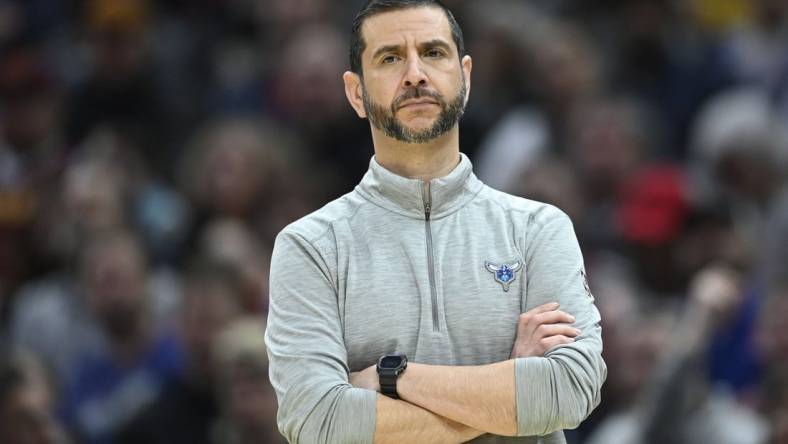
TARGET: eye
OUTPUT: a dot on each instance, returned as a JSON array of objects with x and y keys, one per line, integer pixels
[
  {"x": 389, "y": 59},
  {"x": 434, "y": 53}
]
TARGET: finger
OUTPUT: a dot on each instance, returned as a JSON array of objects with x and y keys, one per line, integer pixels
[
  {"x": 525, "y": 318},
  {"x": 554, "y": 341},
  {"x": 554, "y": 317},
  {"x": 529, "y": 325},
  {"x": 546, "y": 330},
  {"x": 544, "y": 307}
]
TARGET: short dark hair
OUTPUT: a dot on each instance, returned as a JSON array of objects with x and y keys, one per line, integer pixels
[{"x": 374, "y": 7}]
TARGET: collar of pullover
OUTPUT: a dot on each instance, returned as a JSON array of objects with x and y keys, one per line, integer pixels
[{"x": 409, "y": 197}]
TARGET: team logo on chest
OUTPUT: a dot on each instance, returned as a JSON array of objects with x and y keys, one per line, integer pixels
[{"x": 504, "y": 274}]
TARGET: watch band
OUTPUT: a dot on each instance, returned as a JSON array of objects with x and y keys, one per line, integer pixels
[{"x": 388, "y": 384}]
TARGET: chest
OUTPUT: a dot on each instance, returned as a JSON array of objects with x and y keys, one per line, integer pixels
[{"x": 444, "y": 292}]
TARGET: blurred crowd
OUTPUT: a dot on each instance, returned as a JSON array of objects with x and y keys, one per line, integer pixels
[{"x": 151, "y": 150}]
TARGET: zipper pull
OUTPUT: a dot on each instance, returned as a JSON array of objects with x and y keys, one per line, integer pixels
[{"x": 427, "y": 198}]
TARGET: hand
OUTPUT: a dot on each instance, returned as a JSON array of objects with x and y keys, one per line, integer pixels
[
  {"x": 717, "y": 290},
  {"x": 366, "y": 379},
  {"x": 542, "y": 328}
]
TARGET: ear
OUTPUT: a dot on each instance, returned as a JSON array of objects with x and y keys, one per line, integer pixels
[
  {"x": 467, "y": 66},
  {"x": 354, "y": 93}
]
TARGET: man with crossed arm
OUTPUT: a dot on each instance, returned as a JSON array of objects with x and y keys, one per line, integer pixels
[{"x": 423, "y": 278}]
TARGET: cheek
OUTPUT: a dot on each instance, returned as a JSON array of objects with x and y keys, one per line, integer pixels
[
  {"x": 381, "y": 99},
  {"x": 447, "y": 75},
  {"x": 381, "y": 89}
]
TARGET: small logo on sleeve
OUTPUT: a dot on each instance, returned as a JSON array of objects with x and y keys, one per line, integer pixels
[
  {"x": 585, "y": 284},
  {"x": 504, "y": 274}
]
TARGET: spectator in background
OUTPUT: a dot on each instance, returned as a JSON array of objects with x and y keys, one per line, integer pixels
[
  {"x": 186, "y": 409},
  {"x": 248, "y": 401},
  {"x": 50, "y": 315},
  {"x": 121, "y": 90},
  {"x": 143, "y": 200},
  {"x": 240, "y": 168},
  {"x": 740, "y": 148},
  {"x": 231, "y": 242},
  {"x": 676, "y": 392},
  {"x": 568, "y": 73},
  {"x": 93, "y": 196},
  {"x": 608, "y": 142},
  {"x": 306, "y": 97},
  {"x": 565, "y": 75},
  {"x": 650, "y": 217},
  {"x": 31, "y": 158},
  {"x": 27, "y": 401},
  {"x": 112, "y": 384},
  {"x": 507, "y": 83},
  {"x": 739, "y": 151}
]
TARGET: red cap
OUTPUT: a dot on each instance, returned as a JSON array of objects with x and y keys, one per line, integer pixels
[{"x": 654, "y": 206}]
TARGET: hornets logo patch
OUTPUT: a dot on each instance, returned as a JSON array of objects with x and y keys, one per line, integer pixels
[{"x": 504, "y": 274}]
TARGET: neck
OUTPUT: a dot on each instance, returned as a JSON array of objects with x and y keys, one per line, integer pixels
[{"x": 424, "y": 161}]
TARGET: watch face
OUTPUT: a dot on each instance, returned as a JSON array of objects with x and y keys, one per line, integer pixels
[{"x": 391, "y": 362}]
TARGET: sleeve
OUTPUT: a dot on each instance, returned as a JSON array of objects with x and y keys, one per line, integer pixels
[
  {"x": 307, "y": 356},
  {"x": 559, "y": 390}
]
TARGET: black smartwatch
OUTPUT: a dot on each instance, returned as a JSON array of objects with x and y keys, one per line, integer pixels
[{"x": 389, "y": 369}]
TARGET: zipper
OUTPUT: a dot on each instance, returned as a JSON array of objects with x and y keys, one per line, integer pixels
[{"x": 427, "y": 199}]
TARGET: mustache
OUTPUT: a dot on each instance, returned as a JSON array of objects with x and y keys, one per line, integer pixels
[{"x": 417, "y": 93}]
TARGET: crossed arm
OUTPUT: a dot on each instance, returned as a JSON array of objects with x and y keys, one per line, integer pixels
[
  {"x": 451, "y": 404},
  {"x": 533, "y": 396},
  {"x": 456, "y": 404},
  {"x": 400, "y": 421}
]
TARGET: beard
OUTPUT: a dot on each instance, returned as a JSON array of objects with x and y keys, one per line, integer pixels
[{"x": 384, "y": 119}]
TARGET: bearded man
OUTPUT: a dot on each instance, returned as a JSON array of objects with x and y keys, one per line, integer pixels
[{"x": 425, "y": 306}]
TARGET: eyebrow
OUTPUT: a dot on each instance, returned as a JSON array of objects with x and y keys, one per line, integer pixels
[
  {"x": 385, "y": 49},
  {"x": 434, "y": 43}
]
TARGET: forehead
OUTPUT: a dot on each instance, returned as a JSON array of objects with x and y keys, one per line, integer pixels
[{"x": 402, "y": 26}]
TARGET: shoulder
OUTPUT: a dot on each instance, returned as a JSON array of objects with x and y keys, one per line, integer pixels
[
  {"x": 49, "y": 293},
  {"x": 316, "y": 226},
  {"x": 43, "y": 307},
  {"x": 534, "y": 213}
]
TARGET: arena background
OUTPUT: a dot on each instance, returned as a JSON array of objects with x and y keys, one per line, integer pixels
[{"x": 150, "y": 152}]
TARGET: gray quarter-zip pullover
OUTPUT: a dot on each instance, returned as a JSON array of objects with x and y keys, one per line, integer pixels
[{"x": 439, "y": 270}]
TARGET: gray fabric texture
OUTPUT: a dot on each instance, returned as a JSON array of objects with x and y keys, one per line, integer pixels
[{"x": 351, "y": 282}]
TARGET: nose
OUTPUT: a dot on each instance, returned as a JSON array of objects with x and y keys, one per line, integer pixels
[{"x": 414, "y": 76}]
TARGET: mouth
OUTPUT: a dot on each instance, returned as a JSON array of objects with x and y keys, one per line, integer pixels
[{"x": 420, "y": 103}]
